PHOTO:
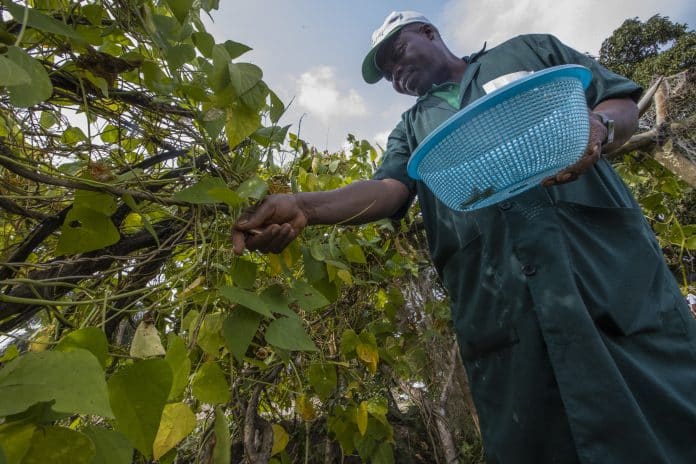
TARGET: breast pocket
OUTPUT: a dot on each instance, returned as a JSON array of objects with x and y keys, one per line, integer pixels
[{"x": 618, "y": 267}]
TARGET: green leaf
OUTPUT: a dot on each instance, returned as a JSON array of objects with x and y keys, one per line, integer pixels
[
  {"x": 72, "y": 136},
  {"x": 280, "y": 439},
  {"x": 225, "y": 195},
  {"x": 210, "y": 385},
  {"x": 86, "y": 230},
  {"x": 180, "y": 8},
  {"x": 138, "y": 393},
  {"x": 349, "y": 342},
  {"x": 48, "y": 119},
  {"x": 241, "y": 122},
  {"x": 180, "y": 364},
  {"x": 377, "y": 407},
  {"x": 206, "y": 191},
  {"x": 91, "y": 339},
  {"x": 178, "y": 421},
  {"x": 40, "y": 21},
  {"x": 384, "y": 454},
  {"x": 221, "y": 452},
  {"x": 235, "y": 49},
  {"x": 111, "y": 447},
  {"x": 361, "y": 417},
  {"x": 12, "y": 74},
  {"x": 210, "y": 334},
  {"x": 323, "y": 379},
  {"x": 180, "y": 54},
  {"x": 267, "y": 136},
  {"x": 15, "y": 440},
  {"x": 244, "y": 77},
  {"x": 59, "y": 445},
  {"x": 110, "y": 134},
  {"x": 9, "y": 354},
  {"x": 245, "y": 298},
  {"x": 307, "y": 297},
  {"x": 41, "y": 377},
  {"x": 352, "y": 252},
  {"x": 38, "y": 89},
  {"x": 276, "y": 301},
  {"x": 289, "y": 334},
  {"x": 146, "y": 342},
  {"x": 204, "y": 42},
  {"x": 277, "y": 107},
  {"x": 100, "y": 202},
  {"x": 239, "y": 330},
  {"x": 244, "y": 273},
  {"x": 690, "y": 243},
  {"x": 254, "y": 187},
  {"x": 93, "y": 13}
]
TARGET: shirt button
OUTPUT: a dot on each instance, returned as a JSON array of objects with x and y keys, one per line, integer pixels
[
  {"x": 528, "y": 270},
  {"x": 506, "y": 205}
]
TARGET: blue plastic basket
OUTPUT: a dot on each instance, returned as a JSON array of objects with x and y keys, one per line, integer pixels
[{"x": 508, "y": 141}]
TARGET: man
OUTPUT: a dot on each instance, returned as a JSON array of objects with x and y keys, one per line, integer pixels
[{"x": 576, "y": 339}]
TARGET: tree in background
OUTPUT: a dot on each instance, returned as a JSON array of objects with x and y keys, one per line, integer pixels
[
  {"x": 659, "y": 163},
  {"x": 642, "y": 50},
  {"x": 130, "y": 140}
]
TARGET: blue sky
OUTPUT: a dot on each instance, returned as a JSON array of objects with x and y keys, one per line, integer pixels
[{"x": 311, "y": 50}]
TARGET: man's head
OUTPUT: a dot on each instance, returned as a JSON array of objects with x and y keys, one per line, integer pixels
[{"x": 407, "y": 50}]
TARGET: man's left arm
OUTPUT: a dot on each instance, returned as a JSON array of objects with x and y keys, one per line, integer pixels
[
  {"x": 623, "y": 114},
  {"x": 612, "y": 95}
]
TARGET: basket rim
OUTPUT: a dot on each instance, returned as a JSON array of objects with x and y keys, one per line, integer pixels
[{"x": 583, "y": 74}]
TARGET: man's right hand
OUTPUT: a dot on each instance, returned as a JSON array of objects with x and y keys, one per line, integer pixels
[{"x": 269, "y": 226}]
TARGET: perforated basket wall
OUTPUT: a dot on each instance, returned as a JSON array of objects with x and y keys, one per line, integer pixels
[{"x": 509, "y": 147}]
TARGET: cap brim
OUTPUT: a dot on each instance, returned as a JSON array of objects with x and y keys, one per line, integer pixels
[{"x": 370, "y": 72}]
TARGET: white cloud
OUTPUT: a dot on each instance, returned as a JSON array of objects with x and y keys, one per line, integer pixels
[
  {"x": 318, "y": 93},
  {"x": 380, "y": 138},
  {"x": 581, "y": 24}
]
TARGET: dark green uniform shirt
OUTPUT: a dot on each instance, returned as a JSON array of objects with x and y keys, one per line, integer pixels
[{"x": 577, "y": 341}]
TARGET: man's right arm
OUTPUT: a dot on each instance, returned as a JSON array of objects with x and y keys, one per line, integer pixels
[{"x": 272, "y": 225}]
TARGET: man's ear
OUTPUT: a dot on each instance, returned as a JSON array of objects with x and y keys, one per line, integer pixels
[{"x": 429, "y": 31}]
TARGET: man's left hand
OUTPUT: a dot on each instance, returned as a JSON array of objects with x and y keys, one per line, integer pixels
[{"x": 592, "y": 154}]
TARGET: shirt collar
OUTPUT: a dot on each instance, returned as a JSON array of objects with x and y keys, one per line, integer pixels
[{"x": 468, "y": 74}]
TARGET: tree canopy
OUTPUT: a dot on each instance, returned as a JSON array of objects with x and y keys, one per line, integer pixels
[{"x": 130, "y": 140}]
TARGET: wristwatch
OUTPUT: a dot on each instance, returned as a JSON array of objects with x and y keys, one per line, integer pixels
[{"x": 609, "y": 125}]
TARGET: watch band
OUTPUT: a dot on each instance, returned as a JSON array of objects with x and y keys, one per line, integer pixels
[{"x": 609, "y": 125}]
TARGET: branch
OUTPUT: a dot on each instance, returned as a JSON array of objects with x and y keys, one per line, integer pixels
[
  {"x": 7, "y": 161},
  {"x": 644, "y": 102},
  {"x": 12, "y": 207},
  {"x": 15, "y": 314}
]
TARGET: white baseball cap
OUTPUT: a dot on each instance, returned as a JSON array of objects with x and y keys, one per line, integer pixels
[{"x": 394, "y": 22}]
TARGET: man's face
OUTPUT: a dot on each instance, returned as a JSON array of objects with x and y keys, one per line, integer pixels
[{"x": 411, "y": 60}]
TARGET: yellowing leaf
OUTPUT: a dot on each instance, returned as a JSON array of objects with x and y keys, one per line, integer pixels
[
  {"x": 210, "y": 385},
  {"x": 305, "y": 408},
  {"x": 361, "y": 417},
  {"x": 146, "y": 341},
  {"x": 177, "y": 422},
  {"x": 280, "y": 439},
  {"x": 59, "y": 445},
  {"x": 15, "y": 440},
  {"x": 369, "y": 354}
]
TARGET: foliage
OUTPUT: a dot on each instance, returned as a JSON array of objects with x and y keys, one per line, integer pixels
[
  {"x": 129, "y": 142},
  {"x": 642, "y": 50}
]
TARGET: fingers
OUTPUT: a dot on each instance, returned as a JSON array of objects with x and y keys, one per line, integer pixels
[
  {"x": 572, "y": 172},
  {"x": 254, "y": 217},
  {"x": 273, "y": 238}
]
